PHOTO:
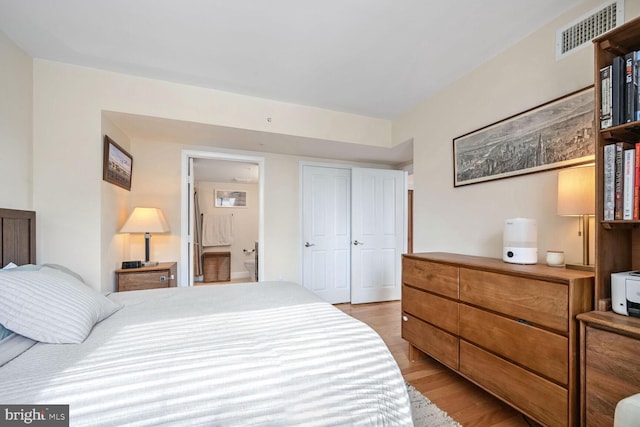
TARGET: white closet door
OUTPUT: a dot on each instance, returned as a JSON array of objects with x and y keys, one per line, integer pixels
[
  {"x": 326, "y": 232},
  {"x": 379, "y": 232}
]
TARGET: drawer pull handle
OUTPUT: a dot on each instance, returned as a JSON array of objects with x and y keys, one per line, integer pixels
[
  {"x": 163, "y": 278},
  {"x": 405, "y": 319}
]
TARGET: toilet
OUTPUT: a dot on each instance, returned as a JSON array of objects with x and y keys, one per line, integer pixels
[
  {"x": 250, "y": 264},
  {"x": 251, "y": 267}
]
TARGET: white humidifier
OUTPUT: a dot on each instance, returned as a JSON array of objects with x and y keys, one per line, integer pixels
[{"x": 520, "y": 241}]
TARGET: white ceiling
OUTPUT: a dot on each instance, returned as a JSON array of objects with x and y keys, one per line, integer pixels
[
  {"x": 373, "y": 57},
  {"x": 378, "y": 58}
]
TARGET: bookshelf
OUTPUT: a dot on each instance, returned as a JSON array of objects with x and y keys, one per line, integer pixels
[{"x": 617, "y": 241}]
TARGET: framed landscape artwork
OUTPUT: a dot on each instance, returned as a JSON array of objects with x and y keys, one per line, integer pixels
[
  {"x": 230, "y": 199},
  {"x": 557, "y": 134},
  {"x": 117, "y": 164}
]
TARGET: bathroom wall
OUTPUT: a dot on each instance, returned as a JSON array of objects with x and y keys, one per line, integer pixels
[{"x": 245, "y": 222}]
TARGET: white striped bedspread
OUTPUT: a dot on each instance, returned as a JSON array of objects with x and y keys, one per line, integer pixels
[{"x": 267, "y": 354}]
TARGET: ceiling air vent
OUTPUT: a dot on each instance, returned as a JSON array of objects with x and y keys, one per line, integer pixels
[{"x": 580, "y": 32}]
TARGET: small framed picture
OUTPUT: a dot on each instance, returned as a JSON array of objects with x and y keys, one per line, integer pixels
[
  {"x": 230, "y": 199},
  {"x": 117, "y": 164}
]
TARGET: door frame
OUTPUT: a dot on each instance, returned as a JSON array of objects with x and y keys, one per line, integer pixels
[{"x": 186, "y": 249}]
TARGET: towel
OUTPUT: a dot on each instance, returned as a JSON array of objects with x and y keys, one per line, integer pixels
[{"x": 216, "y": 230}]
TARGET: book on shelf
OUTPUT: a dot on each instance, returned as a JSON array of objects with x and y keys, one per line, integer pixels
[
  {"x": 617, "y": 94},
  {"x": 620, "y": 90},
  {"x": 636, "y": 185},
  {"x": 636, "y": 74},
  {"x": 619, "y": 182},
  {"x": 630, "y": 88},
  {"x": 620, "y": 173},
  {"x": 619, "y": 178},
  {"x": 629, "y": 171},
  {"x": 605, "y": 97},
  {"x": 609, "y": 164}
]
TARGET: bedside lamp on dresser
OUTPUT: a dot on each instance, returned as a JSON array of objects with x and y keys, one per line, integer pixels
[
  {"x": 147, "y": 221},
  {"x": 576, "y": 197},
  {"x": 151, "y": 274}
]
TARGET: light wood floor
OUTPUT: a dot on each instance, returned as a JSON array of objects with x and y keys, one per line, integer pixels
[{"x": 462, "y": 400}]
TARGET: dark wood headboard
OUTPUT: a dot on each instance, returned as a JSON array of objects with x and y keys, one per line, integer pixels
[{"x": 17, "y": 237}]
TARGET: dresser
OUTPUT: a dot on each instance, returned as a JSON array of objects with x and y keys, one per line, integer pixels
[
  {"x": 511, "y": 329},
  {"x": 162, "y": 275},
  {"x": 610, "y": 351}
]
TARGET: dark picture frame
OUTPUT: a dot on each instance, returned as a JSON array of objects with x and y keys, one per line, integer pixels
[
  {"x": 557, "y": 134},
  {"x": 117, "y": 165}
]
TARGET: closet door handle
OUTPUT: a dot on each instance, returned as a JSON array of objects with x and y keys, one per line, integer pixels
[
  {"x": 356, "y": 243},
  {"x": 307, "y": 244}
]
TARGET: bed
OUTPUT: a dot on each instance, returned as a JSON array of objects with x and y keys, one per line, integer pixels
[{"x": 268, "y": 353}]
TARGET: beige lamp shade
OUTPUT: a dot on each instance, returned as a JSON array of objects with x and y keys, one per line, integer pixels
[
  {"x": 576, "y": 191},
  {"x": 146, "y": 220}
]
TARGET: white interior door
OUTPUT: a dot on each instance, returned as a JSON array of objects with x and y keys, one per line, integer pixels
[
  {"x": 326, "y": 232},
  {"x": 190, "y": 225},
  {"x": 378, "y": 228}
]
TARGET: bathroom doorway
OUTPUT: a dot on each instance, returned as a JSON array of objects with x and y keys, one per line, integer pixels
[{"x": 222, "y": 218}]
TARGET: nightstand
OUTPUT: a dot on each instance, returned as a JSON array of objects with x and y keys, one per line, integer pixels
[{"x": 162, "y": 275}]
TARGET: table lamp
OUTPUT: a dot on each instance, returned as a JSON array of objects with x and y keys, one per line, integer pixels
[
  {"x": 147, "y": 221},
  {"x": 576, "y": 197}
]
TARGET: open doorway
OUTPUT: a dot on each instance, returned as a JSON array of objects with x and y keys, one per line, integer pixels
[{"x": 222, "y": 218}]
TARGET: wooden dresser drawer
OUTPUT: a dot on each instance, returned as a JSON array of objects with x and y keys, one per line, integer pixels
[
  {"x": 536, "y": 397},
  {"x": 434, "y": 277},
  {"x": 431, "y": 340},
  {"x": 611, "y": 365},
  {"x": 539, "y": 350},
  {"x": 516, "y": 336},
  {"x": 162, "y": 275},
  {"x": 144, "y": 280},
  {"x": 431, "y": 308},
  {"x": 535, "y": 301}
]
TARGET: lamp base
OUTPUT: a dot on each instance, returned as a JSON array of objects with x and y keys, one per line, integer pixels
[
  {"x": 149, "y": 263},
  {"x": 581, "y": 267}
]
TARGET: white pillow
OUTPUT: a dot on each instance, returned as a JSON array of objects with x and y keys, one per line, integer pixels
[
  {"x": 9, "y": 266},
  {"x": 51, "y": 306}
]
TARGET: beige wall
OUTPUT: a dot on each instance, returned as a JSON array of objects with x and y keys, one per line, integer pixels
[
  {"x": 76, "y": 221},
  {"x": 16, "y": 103},
  {"x": 114, "y": 211},
  {"x": 470, "y": 219}
]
